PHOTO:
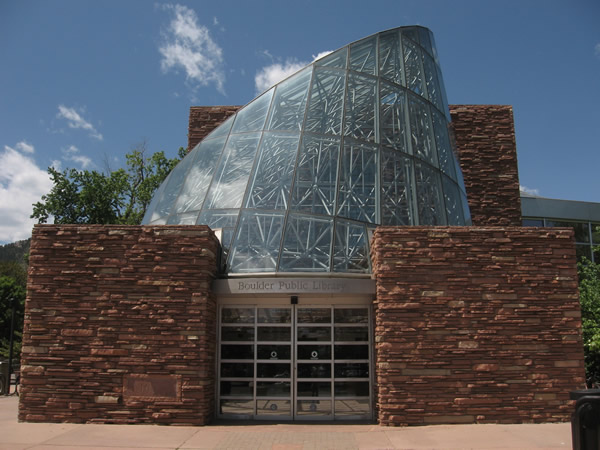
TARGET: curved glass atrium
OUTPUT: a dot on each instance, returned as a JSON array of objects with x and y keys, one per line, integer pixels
[{"x": 297, "y": 177}]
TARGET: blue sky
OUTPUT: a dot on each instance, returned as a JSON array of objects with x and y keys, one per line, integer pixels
[{"x": 83, "y": 82}]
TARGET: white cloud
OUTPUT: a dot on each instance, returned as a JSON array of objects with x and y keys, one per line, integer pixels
[
  {"x": 74, "y": 120},
  {"x": 22, "y": 183},
  {"x": 276, "y": 72},
  {"x": 526, "y": 190},
  {"x": 72, "y": 154},
  {"x": 189, "y": 46},
  {"x": 24, "y": 147}
]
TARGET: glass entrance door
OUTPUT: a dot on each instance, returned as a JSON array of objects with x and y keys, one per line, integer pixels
[{"x": 294, "y": 363}]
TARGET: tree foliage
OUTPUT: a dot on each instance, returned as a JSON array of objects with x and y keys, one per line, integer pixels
[
  {"x": 589, "y": 295},
  {"x": 116, "y": 197},
  {"x": 13, "y": 281}
]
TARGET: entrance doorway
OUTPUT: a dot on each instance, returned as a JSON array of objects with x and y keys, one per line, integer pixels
[{"x": 295, "y": 362}]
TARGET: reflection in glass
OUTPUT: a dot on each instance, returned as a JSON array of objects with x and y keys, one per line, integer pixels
[
  {"x": 352, "y": 407},
  {"x": 306, "y": 244},
  {"x": 326, "y": 103},
  {"x": 351, "y": 388},
  {"x": 237, "y": 334},
  {"x": 351, "y": 251},
  {"x": 274, "y": 315},
  {"x": 397, "y": 183},
  {"x": 237, "y": 351},
  {"x": 361, "y": 95},
  {"x": 237, "y": 370},
  {"x": 392, "y": 117},
  {"x": 313, "y": 352},
  {"x": 363, "y": 56},
  {"x": 253, "y": 116},
  {"x": 313, "y": 370},
  {"x": 351, "y": 370},
  {"x": 266, "y": 334},
  {"x": 351, "y": 352},
  {"x": 237, "y": 315},
  {"x": 273, "y": 370},
  {"x": 274, "y": 352},
  {"x": 313, "y": 315},
  {"x": 351, "y": 315},
  {"x": 237, "y": 407},
  {"x": 581, "y": 229},
  {"x": 237, "y": 388},
  {"x": 390, "y": 66},
  {"x": 273, "y": 407},
  {"x": 351, "y": 334},
  {"x": 314, "y": 333},
  {"x": 314, "y": 389},
  {"x": 273, "y": 388},
  {"x": 314, "y": 408},
  {"x": 287, "y": 112}
]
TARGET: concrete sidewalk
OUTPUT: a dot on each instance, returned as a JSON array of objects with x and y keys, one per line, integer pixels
[{"x": 38, "y": 436}]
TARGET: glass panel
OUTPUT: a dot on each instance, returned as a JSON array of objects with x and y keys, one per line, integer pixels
[
  {"x": 420, "y": 126},
  {"x": 151, "y": 214},
  {"x": 222, "y": 130},
  {"x": 351, "y": 315},
  {"x": 273, "y": 407},
  {"x": 351, "y": 252},
  {"x": 273, "y": 174},
  {"x": 273, "y": 388},
  {"x": 313, "y": 370},
  {"x": 444, "y": 149},
  {"x": 172, "y": 187},
  {"x": 583, "y": 250},
  {"x": 274, "y": 352},
  {"x": 358, "y": 182},
  {"x": 237, "y": 315},
  {"x": 238, "y": 407},
  {"x": 362, "y": 56},
  {"x": 454, "y": 212},
  {"x": 412, "y": 67},
  {"x": 313, "y": 352},
  {"x": 335, "y": 59},
  {"x": 392, "y": 117},
  {"x": 237, "y": 370},
  {"x": 466, "y": 212},
  {"x": 224, "y": 219},
  {"x": 244, "y": 334},
  {"x": 351, "y": 388},
  {"x": 410, "y": 33},
  {"x": 289, "y": 102},
  {"x": 582, "y": 231},
  {"x": 389, "y": 57},
  {"x": 351, "y": 334},
  {"x": 272, "y": 370},
  {"x": 237, "y": 351},
  {"x": 424, "y": 38},
  {"x": 257, "y": 243},
  {"x": 313, "y": 315},
  {"x": 314, "y": 333},
  {"x": 351, "y": 352},
  {"x": 326, "y": 102},
  {"x": 314, "y": 408},
  {"x": 198, "y": 179},
  {"x": 274, "y": 315},
  {"x": 306, "y": 245},
  {"x": 237, "y": 388},
  {"x": 431, "y": 209},
  {"x": 351, "y": 370},
  {"x": 267, "y": 334},
  {"x": 231, "y": 177},
  {"x": 596, "y": 233},
  {"x": 432, "y": 83},
  {"x": 533, "y": 223},
  {"x": 316, "y": 175},
  {"x": 352, "y": 407},
  {"x": 252, "y": 117},
  {"x": 183, "y": 219},
  {"x": 314, "y": 389},
  {"x": 396, "y": 189},
  {"x": 361, "y": 97}
]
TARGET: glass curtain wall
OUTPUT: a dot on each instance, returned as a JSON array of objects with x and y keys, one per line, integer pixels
[{"x": 298, "y": 177}]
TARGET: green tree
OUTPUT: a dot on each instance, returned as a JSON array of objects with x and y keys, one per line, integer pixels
[
  {"x": 11, "y": 289},
  {"x": 116, "y": 197},
  {"x": 589, "y": 294}
]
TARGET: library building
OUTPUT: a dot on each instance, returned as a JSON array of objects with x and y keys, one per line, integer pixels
[{"x": 345, "y": 247}]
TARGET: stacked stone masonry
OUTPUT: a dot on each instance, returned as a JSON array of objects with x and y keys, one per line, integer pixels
[
  {"x": 204, "y": 119},
  {"x": 119, "y": 325},
  {"x": 485, "y": 140},
  {"x": 476, "y": 324}
]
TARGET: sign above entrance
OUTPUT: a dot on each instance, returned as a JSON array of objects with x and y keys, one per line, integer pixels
[{"x": 277, "y": 285}]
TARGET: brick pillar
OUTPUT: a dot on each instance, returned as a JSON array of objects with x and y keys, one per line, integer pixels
[{"x": 204, "y": 119}]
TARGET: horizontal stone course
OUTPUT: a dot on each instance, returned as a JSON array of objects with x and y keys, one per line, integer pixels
[
  {"x": 97, "y": 311},
  {"x": 498, "y": 343}
]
